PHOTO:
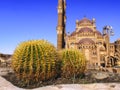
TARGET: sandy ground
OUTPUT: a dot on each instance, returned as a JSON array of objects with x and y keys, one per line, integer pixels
[{"x": 5, "y": 85}]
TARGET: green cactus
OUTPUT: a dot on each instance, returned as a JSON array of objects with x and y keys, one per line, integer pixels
[
  {"x": 73, "y": 63},
  {"x": 34, "y": 61}
]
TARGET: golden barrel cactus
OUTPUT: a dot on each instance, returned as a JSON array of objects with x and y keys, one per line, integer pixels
[
  {"x": 34, "y": 61},
  {"x": 73, "y": 63}
]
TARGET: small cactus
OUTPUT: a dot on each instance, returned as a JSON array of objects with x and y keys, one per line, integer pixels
[
  {"x": 73, "y": 63},
  {"x": 34, "y": 61}
]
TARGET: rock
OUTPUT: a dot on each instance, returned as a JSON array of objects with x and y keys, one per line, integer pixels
[
  {"x": 5, "y": 71},
  {"x": 100, "y": 75}
]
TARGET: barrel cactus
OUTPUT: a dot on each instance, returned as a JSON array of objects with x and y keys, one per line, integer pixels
[
  {"x": 73, "y": 63},
  {"x": 34, "y": 61}
]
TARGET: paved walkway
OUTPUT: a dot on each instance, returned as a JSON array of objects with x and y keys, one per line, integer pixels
[{"x": 5, "y": 85}]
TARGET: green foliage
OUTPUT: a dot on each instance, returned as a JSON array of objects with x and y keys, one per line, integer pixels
[
  {"x": 34, "y": 61},
  {"x": 73, "y": 63}
]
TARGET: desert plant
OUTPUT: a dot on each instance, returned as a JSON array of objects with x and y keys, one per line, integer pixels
[
  {"x": 73, "y": 63},
  {"x": 34, "y": 61}
]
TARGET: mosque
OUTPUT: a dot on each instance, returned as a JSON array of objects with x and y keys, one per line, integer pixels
[{"x": 95, "y": 45}]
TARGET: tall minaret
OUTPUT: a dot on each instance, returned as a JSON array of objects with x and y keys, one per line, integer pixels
[{"x": 61, "y": 24}]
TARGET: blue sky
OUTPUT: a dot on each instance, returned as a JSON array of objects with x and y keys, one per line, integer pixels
[{"x": 22, "y": 20}]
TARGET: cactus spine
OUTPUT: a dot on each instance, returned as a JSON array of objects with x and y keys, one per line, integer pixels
[
  {"x": 34, "y": 60},
  {"x": 73, "y": 63}
]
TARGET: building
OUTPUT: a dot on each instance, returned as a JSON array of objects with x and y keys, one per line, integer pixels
[
  {"x": 5, "y": 60},
  {"x": 117, "y": 51},
  {"x": 95, "y": 45}
]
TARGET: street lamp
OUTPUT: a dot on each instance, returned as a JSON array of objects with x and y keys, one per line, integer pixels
[{"x": 108, "y": 30}]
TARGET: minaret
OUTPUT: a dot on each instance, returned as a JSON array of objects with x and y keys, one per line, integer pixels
[{"x": 61, "y": 24}]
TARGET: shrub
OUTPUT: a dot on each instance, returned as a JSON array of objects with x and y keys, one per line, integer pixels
[{"x": 34, "y": 61}]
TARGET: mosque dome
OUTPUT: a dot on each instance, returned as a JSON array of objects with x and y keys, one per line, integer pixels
[
  {"x": 98, "y": 33},
  {"x": 85, "y": 21},
  {"x": 86, "y": 41},
  {"x": 85, "y": 29}
]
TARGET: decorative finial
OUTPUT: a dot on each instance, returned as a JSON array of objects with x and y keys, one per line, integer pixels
[
  {"x": 84, "y": 16},
  {"x": 77, "y": 21},
  {"x": 93, "y": 20},
  {"x": 68, "y": 33}
]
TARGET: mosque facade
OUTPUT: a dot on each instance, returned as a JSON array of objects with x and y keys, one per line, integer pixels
[{"x": 95, "y": 45}]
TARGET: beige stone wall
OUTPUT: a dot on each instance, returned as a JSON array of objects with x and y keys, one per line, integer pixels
[{"x": 92, "y": 52}]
